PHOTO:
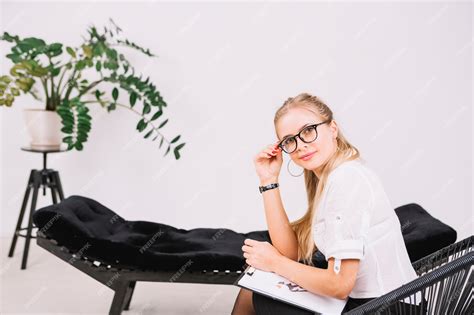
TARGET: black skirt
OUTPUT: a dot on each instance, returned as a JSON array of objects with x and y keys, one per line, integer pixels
[{"x": 264, "y": 305}]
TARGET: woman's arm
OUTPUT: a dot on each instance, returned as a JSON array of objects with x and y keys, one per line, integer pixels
[
  {"x": 282, "y": 235},
  {"x": 264, "y": 256},
  {"x": 317, "y": 280}
]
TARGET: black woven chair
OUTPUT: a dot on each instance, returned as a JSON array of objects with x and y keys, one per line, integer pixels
[{"x": 444, "y": 286}]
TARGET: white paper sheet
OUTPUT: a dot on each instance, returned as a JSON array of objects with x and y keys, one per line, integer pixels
[{"x": 272, "y": 284}]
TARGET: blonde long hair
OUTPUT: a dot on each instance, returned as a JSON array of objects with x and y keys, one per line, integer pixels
[{"x": 314, "y": 185}]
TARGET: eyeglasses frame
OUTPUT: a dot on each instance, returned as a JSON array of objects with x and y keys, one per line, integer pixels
[{"x": 315, "y": 126}]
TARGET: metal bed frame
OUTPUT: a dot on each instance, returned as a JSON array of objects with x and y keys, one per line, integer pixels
[
  {"x": 122, "y": 279},
  {"x": 445, "y": 278}
]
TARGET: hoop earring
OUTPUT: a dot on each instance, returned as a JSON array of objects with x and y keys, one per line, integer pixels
[{"x": 288, "y": 167}]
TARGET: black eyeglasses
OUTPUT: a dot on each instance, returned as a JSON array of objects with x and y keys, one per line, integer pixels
[{"x": 307, "y": 135}]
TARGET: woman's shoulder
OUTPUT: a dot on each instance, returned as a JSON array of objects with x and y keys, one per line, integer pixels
[
  {"x": 350, "y": 187},
  {"x": 356, "y": 175},
  {"x": 352, "y": 176},
  {"x": 349, "y": 168}
]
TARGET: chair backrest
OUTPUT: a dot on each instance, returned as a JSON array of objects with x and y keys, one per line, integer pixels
[
  {"x": 443, "y": 256},
  {"x": 444, "y": 286}
]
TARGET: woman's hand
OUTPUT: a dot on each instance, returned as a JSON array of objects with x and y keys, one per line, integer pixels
[
  {"x": 268, "y": 163},
  {"x": 261, "y": 255}
]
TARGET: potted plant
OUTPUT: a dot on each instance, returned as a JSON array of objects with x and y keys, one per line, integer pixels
[{"x": 60, "y": 72}]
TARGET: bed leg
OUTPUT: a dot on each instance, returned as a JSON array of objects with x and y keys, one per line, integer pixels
[
  {"x": 119, "y": 298},
  {"x": 128, "y": 297}
]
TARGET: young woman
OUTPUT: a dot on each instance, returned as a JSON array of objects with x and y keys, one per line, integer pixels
[{"x": 349, "y": 217}]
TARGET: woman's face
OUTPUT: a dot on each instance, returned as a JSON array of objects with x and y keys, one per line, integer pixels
[{"x": 322, "y": 148}]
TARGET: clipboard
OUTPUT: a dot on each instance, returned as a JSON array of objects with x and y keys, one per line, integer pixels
[{"x": 251, "y": 271}]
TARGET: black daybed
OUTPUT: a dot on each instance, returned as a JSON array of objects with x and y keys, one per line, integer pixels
[{"x": 118, "y": 253}]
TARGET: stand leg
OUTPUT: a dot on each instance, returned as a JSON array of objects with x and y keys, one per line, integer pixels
[
  {"x": 36, "y": 186},
  {"x": 53, "y": 186},
  {"x": 22, "y": 213},
  {"x": 59, "y": 186},
  {"x": 44, "y": 180}
]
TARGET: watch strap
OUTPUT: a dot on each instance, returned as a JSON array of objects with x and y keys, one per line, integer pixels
[{"x": 267, "y": 187}]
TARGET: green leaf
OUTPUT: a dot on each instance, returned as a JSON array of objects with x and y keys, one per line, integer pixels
[
  {"x": 66, "y": 129},
  {"x": 133, "y": 98},
  {"x": 98, "y": 66},
  {"x": 178, "y": 147},
  {"x": 112, "y": 106},
  {"x": 149, "y": 133},
  {"x": 80, "y": 65},
  {"x": 162, "y": 124},
  {"x": 16, "y": 58},
  {"x": 87, "y": 50},
  {"x": 167, "y": 150},
  {"x": 176, "y": 150},
  {"x": 156, "y": 115},
  {"x": 32, "y": 42},
  {"x": 175, "y": 139},
  {"x": 5, "y": 78},
  {"x": 55, "y": 46},
  {"x": 115, "y": 93},
  {"x": 9, "y": 38},
  {"x": 67, "y": 139},
  {"x": 146, "y": 108},
  {"x": 71, "y": 52},
  {"x": 15, "y": 91},
  {"x": 55, "y": 49},
  {"x": 176, "y": 154},
  {"x": 55, "y": 71},
  {"x": 141, "y": 125}
]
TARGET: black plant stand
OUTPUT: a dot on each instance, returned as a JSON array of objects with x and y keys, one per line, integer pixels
[{"x": 46, "y": 178}]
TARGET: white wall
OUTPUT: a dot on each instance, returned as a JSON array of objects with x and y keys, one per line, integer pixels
[{"x": 397, "y": 76}]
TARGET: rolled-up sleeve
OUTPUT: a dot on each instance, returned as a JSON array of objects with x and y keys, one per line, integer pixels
[{"x": 347, "y": 214}]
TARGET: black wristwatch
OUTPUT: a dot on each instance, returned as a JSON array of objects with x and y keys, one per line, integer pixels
[{"x": 267, "y": 187}]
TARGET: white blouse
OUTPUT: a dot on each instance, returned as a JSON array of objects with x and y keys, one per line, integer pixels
[{"x": 355, "y": 219}]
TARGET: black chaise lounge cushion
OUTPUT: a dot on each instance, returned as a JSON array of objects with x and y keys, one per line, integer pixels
[
  {"x": 90, "y": 229},
  {"x": 423, "y": 234},
  {"x": 86, "y": 226}
]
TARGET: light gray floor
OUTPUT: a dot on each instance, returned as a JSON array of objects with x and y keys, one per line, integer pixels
[{"x": 51, "y": 286}]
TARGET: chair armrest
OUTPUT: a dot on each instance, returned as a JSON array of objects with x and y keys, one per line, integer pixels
[{"x": 446, "y": 288}]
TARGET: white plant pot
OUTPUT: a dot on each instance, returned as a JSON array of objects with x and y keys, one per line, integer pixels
[{"x": 44, "y": 128}]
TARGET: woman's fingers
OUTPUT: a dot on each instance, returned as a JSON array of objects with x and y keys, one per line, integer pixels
[
  {"x": 269, "y": 152},
  {"x": 273, "y": 147},
  {"x": 264, "y": 155},
  {"x": 246, "y": 248},
  {"x": 272, "y": 150}
]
